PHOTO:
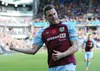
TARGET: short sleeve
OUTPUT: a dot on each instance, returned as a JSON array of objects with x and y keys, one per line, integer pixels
[
  {"x": 94, "y": 42},
  {"x": 72, "y": 30},
  {"x": 37, "y": 40},
  {"x": 84, "y": 42}
]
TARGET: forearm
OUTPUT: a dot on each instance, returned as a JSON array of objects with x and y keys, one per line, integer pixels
[
  {"x": 23, "y": 50},
  {"x": 92, "y": 49},
  {"x": 27, "y": 50},
  {"x": 83, "y": 49},
  {"x": 74, "y": 48}
]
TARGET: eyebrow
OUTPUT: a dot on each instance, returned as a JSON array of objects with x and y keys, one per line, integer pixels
[{"x": 51, "y": 14}]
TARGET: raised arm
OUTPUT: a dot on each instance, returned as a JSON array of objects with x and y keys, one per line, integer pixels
[
  {"x": 27, "y": 50},
  {"x": 34, "y": 47}
]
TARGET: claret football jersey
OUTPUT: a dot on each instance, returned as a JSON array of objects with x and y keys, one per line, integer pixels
[{"x": 57, "y": 37}]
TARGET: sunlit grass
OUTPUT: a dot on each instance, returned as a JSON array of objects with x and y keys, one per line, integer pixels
[{"x": 38, "y": 62}]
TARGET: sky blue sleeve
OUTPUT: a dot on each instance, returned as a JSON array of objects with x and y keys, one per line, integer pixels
[
  {"x": 37, "y": 40},
  {"x": 94, "y": 42},
  {"x": 85, "y": 42},
  {"x": 72, "y": 31}
]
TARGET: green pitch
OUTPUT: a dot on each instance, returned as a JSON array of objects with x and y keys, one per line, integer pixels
[{"x": 38, "y": 62}]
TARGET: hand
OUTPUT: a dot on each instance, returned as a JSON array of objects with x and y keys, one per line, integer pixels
[
  {"x": 57, "y": 55},
  {"x": 11, "y": 47},
  {"x": 91, "y": 49}
]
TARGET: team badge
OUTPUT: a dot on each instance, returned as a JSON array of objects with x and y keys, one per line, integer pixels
[{"x": 61, "y": 29}]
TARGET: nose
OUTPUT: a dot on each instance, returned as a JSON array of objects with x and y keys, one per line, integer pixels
[{"x": 53, "y": 16}]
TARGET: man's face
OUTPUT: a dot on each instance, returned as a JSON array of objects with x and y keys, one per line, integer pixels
[{"x": 52, "y": 17}]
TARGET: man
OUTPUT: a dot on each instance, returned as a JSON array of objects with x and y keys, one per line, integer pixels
[
  {"x": 88, "y": 47},
  {"x": 60, "y": 40}
]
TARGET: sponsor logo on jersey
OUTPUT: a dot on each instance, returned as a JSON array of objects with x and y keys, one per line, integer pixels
[{"x": 62, "y": 35}]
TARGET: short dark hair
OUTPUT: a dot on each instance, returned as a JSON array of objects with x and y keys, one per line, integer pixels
[
  {"x": 46, "y": 8},
  {"x": 89, "y": 35}
]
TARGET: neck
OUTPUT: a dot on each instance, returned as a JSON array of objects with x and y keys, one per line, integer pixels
[
  {"x": 55, "y": 23},
  {"x": 52, "y": 24},
  {"x": 90, "y": 40}
]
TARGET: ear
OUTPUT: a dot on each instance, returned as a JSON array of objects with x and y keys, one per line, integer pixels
[{"x": 45, "y": 17}]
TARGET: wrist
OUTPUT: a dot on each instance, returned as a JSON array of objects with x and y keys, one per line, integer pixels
[{"x": 64, "y": 54}]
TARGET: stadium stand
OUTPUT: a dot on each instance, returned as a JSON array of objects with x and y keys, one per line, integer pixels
[{"x": 16, "y": 17}]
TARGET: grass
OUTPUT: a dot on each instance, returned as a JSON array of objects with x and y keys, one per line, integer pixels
[
  {"x": 95, "y": 61},
  {"x": 23, "y": 62},
  {"x": 38, "y": 62}
]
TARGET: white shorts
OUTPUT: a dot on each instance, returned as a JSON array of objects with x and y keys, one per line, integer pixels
[
  {"x": 68, "y": 67},
  {"x": 88, "y": 55}
]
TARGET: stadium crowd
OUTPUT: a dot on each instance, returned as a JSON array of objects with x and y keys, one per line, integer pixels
[
  {"x": 72, "y": 10},
  {"x": 7, "y": 40}
]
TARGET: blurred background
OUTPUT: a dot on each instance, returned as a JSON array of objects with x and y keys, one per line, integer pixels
[{"x": 21, "y": 19}]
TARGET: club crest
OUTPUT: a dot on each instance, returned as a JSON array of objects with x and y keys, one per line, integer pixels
[{"x": 61, "y": 29}]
